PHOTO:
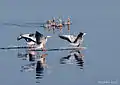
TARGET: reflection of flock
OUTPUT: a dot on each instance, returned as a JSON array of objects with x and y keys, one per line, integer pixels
[
  {"x": 38, "y": 41},
  {"x": 37, "y": 62}
]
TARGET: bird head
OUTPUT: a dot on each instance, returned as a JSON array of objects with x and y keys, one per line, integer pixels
[
  {"x": 19, "y": 37},
  {"x": 81, "y": 34},
  {"x": 49, "y": 36},
  {"x": 84, "y": 34}
]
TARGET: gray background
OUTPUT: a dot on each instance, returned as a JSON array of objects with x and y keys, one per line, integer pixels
[{"x": 98, "y": 18}]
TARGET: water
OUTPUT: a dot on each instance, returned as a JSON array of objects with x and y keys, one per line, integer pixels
[{"x": 99, "y": 19}]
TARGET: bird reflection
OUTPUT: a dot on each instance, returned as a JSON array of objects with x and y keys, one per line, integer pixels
[
  {"x": 37, "y": 62},
  {"x": 28, "y": 55},
  {"x": 41, "y": 64},
  {"x": 79, "y": 61},
  {"x": 28, "y": 67},
  {"x": 73, "y": 55}
]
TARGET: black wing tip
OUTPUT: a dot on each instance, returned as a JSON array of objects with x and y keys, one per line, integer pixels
[
  {"x": 37, "y": 32},
  {"x": 19, "y": 38},
  {"x": 82, "y": 33},
  {"x": 61, "y": 37}
]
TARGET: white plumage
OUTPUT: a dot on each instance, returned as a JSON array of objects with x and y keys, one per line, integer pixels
[
  {"x": 37, "y": 39},
  {"x": 74, "y": 40}
]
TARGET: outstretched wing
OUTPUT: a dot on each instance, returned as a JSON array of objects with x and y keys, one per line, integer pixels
[
  {"x": 26, "y": 37},
  {"x": 38, "y": 34},
  {"x": 38, "y": 37},
  {"x": 78, "y": 36},
  {"x": 30, "y": 39},
  {"x": 63, "y": 59},
  {"x": 65, "y": 37}
]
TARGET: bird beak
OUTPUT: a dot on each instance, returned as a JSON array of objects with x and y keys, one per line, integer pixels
[
  {"x": 84, "y": 34},
  {"x": 18, "y": 38},
  {"x": 49, "y": 36}
]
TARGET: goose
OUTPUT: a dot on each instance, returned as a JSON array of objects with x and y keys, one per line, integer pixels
[
  {"x": 34, "y": 39},
  {"x": 74, "y": 40}
]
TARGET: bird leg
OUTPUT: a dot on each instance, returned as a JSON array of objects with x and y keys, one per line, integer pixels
[
  {"x": 81, "y": 55},
  {"x": 60, "y": 29},
  {"x": 44, "y": 60},
  {"x": 45, "y": 65},
  {"x": 68, "y": 28},
  {"x": 44, "y": 49}
]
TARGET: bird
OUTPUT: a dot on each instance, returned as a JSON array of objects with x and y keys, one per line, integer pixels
[
  {"x": 36, "y": 40},
  {"x": 75, "y": 41}
]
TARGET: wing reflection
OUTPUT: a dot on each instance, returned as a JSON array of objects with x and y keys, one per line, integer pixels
[
  {"x": 73, "y": 55},
  {"x": 28, "y": 55},
  {"x": 37, "y": 62},
  {"x": 79, "y": 60},
  {"x": 28, "y": 67},
  {"x": 39, "y": 70},
  {"x": 41, "y": 64}
]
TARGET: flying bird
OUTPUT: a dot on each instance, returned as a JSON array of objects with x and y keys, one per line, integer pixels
[
  {"x": 30, "y": 38},
  {"x": 74, "y": 40},
  {"x": 35, "y": 39}
]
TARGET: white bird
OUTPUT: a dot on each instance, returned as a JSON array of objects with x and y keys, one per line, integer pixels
[
  {"x": 74, "y": 40},
  {"x": 38, "y": 40}
]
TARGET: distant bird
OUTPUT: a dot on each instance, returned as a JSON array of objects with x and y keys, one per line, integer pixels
[
  {"x": 36, "y": 39},
  {"x": 74, "y": 40}
]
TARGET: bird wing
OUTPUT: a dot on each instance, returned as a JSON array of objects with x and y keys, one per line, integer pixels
[
  {"x": 38, "y": 34},
  {"x": 76, "y": 39},
  {"x": 77, "y": 57},
  {"x": 31, "y": 35},
  {"x": 27, "y": 37},
  {"x": 38, "y": 37},
  {"x": 79, "y": 37},
  {"x": 69, "y": 38},
  {"x": 72, "y": 37}
]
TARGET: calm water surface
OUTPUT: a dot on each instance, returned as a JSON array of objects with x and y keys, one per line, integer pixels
[{"x": 99, "y": 19}]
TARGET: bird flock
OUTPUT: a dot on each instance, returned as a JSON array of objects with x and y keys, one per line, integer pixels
[{"x": 37, "y": 41}]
